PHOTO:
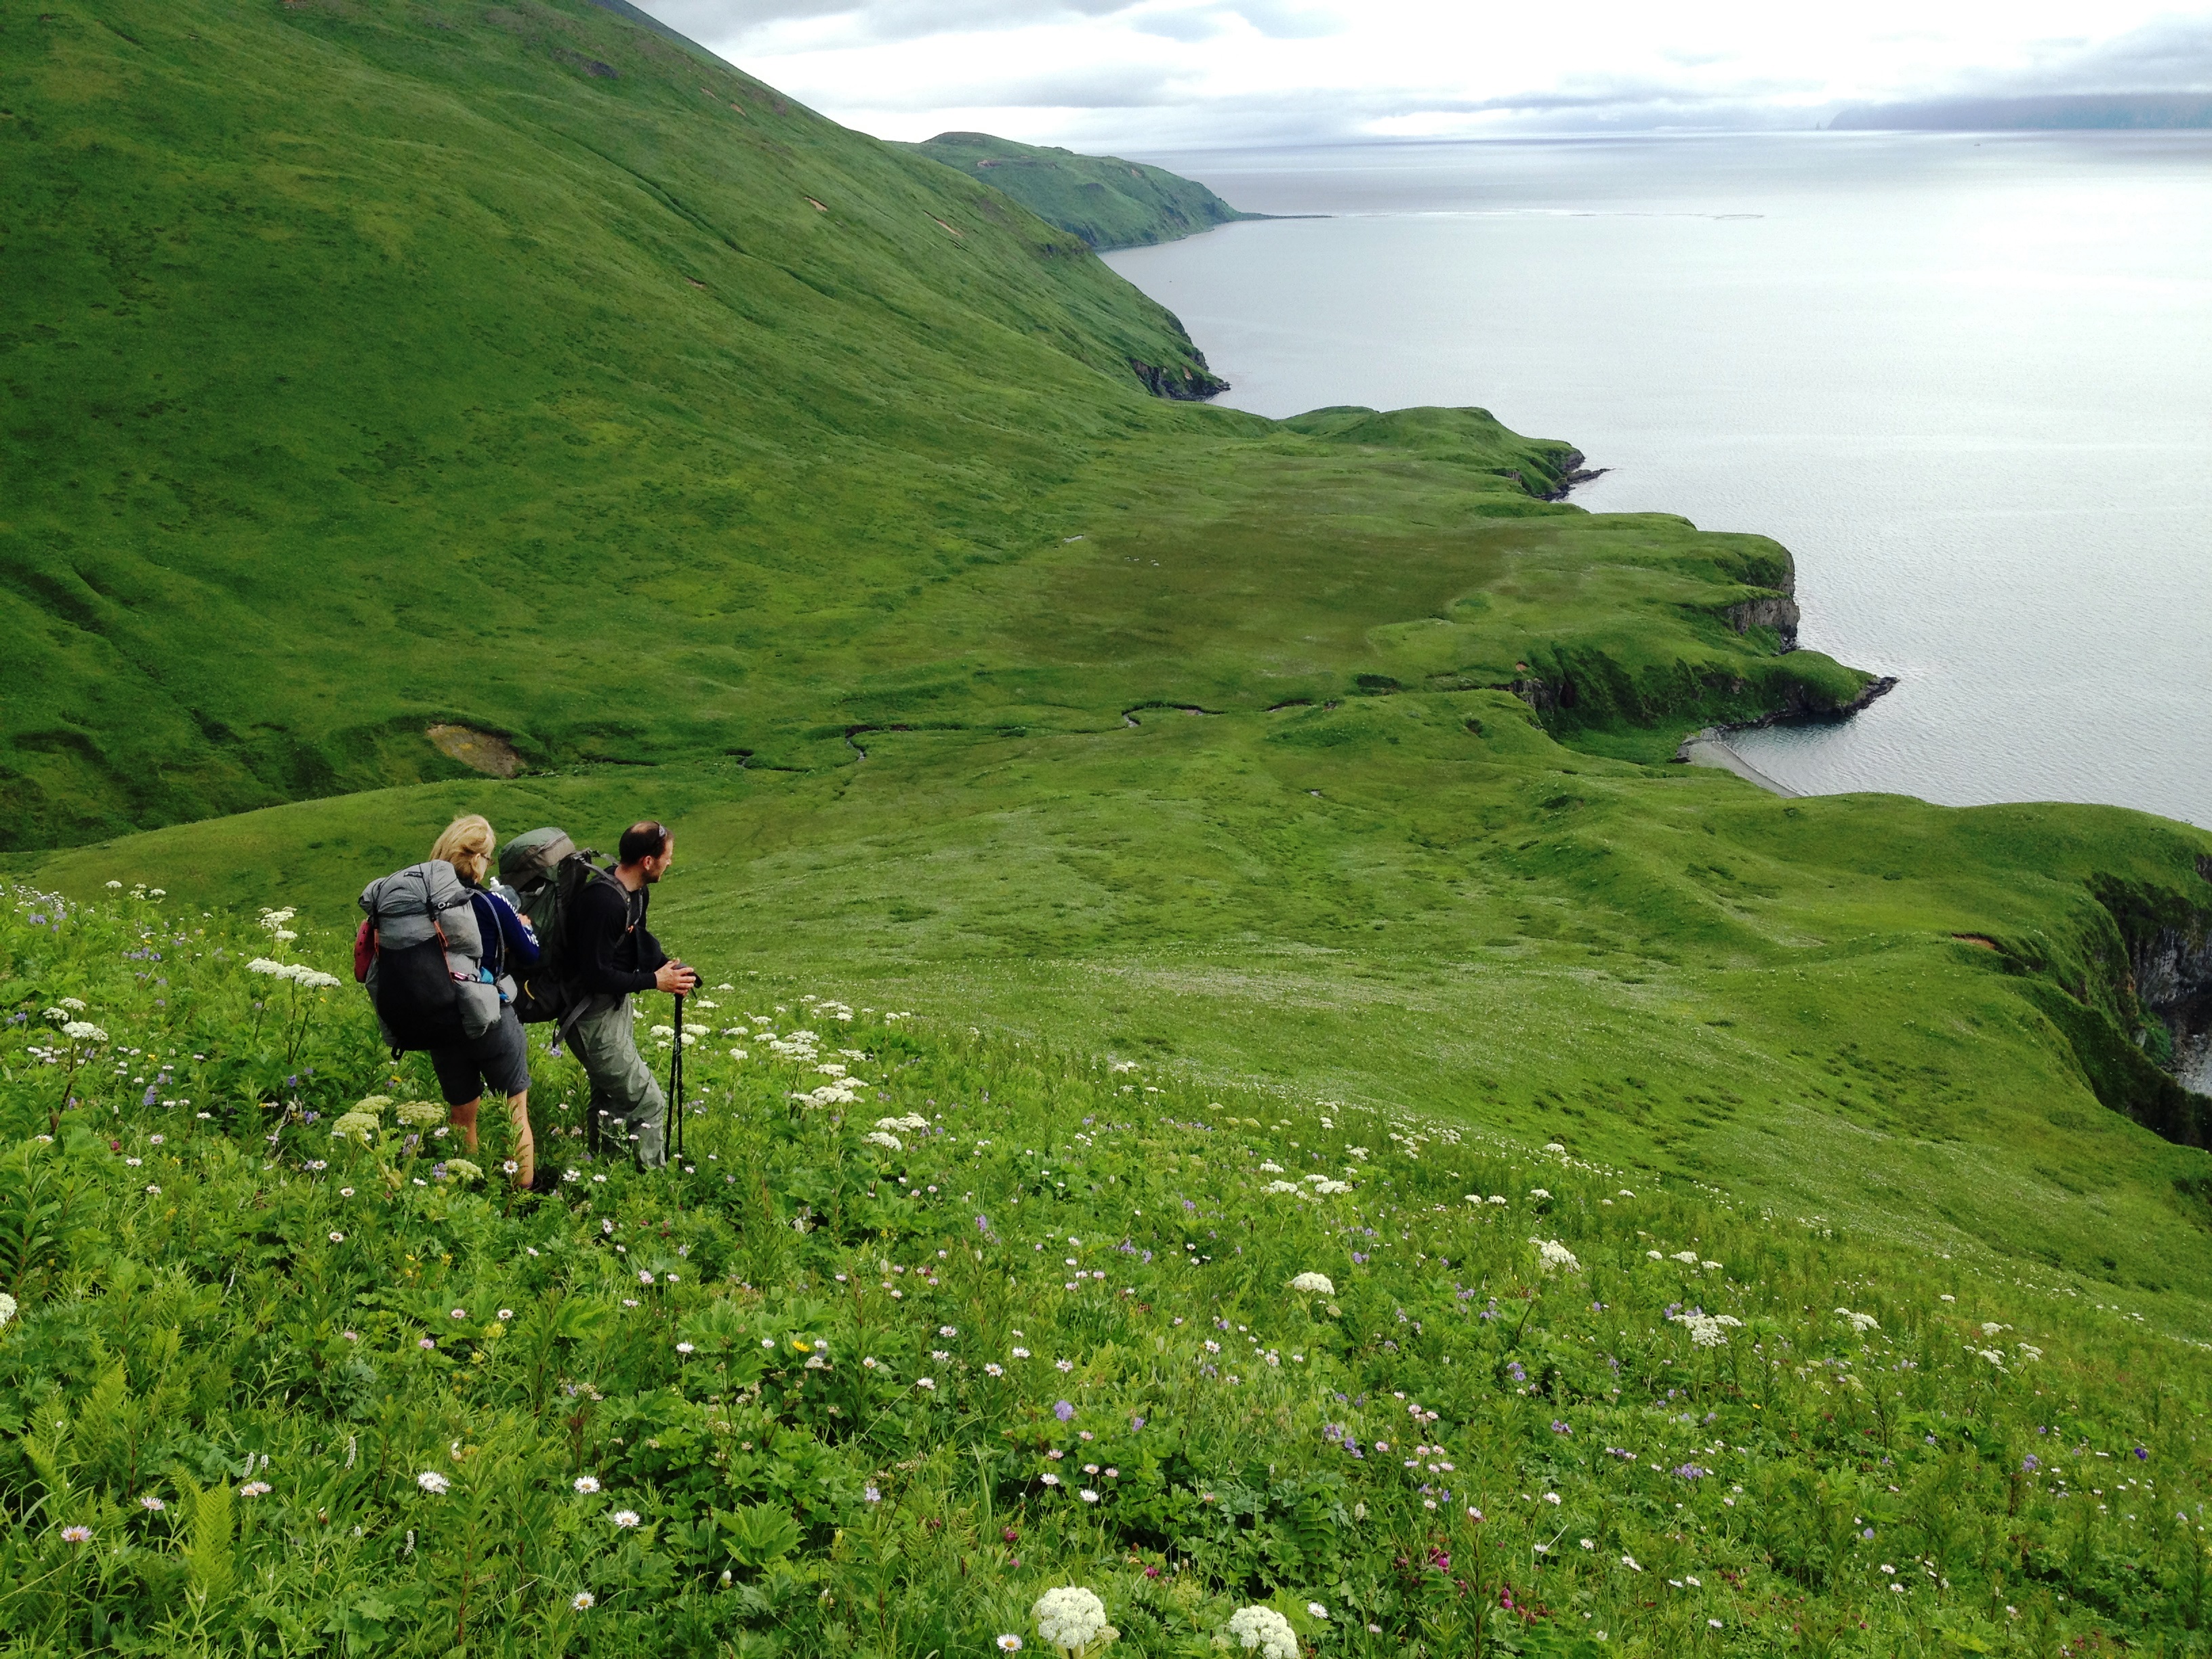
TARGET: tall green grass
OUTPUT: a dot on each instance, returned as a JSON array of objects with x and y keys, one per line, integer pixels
[{"x": 866, "y": 1371}]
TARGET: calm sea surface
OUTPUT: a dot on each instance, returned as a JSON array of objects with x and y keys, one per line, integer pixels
[{"x": 1967, "y": 381}]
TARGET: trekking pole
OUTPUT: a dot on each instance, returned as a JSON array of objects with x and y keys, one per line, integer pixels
[{"x": 676, "y": 1083}]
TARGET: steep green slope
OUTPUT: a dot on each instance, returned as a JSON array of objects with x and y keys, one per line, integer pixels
[
  {"x": 345, "y": 345},
  {"x": 370, "y": 370},
  {"x": 1108, "y": 202}
]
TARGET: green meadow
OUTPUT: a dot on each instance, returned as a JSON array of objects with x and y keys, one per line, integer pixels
[
  {"x": 524, "y": 377},
  {"x": 922, "y": 1327}
]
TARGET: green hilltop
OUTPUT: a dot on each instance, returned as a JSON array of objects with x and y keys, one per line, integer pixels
[
  {"x": 1108, "y": 202},
  {"x": 527, "y": 376}
]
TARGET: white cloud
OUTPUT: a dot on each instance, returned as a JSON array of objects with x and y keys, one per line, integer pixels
[{"x": 1159, "y": 74}]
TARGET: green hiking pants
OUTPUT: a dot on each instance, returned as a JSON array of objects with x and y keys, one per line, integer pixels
[{"x": 626, "y": 1103}]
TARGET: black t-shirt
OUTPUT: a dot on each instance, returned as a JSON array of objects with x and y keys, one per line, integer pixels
[{"x": 613, "y": 952}]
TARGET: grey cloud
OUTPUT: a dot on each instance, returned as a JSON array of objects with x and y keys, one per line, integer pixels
[
  {"x": 1272, "y": 18},
  {"x": 1184, "y": 26},
  {"x": 1287, "y": 20},
  {"x": 2173, "y": 54},
  {"x": 877, "y": 21},
  {"x": 1123, "y": 87},
  {"x": 873, "y": 20},
  {"x": 1300, "y": 117}
]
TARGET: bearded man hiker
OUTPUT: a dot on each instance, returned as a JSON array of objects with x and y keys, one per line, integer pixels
[{"x": 612, "y": 955}]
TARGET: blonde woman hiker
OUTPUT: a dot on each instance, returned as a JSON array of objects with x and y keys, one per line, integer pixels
[{"x": 500, "y": 1059}]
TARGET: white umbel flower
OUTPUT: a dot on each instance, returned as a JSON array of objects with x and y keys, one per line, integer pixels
[
  {"x": 1706, "y": 1330},
  {"x": 1264, "y": 1629},
  {"x": 1554, "y": 1257},
  {"x": 355, "y": 1125},
  {"x": 7, "y": 1308},
  {"x": 1072, "y": 1620},
  {"x": 433, "y": 1482},
  {"x": 1861, "y": 1323},
  {"x": 1314, "y": 1284}
]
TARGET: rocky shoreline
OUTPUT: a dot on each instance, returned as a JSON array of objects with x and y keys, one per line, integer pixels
[{"x": 1573, "y": 472}]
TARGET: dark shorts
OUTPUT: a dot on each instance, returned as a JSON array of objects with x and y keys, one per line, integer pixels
[{"x": 496, "y": 1063}]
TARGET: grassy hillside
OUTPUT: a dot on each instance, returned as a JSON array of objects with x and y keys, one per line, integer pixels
[
  {"x": 1108, "y": 202},
  {"x": 372, "y": 370},
  {"x": 922, "y": 1326},
  {"x": 375, "y": 369},
  {"x": 355, "y": 353},
  {"x": 1420, "y": 902}
]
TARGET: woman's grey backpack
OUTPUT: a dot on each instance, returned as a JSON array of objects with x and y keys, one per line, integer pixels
[{"x": 426, "y": 979}]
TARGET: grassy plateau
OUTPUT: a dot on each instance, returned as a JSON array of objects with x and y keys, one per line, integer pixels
[{"x": 411, "y": 409}]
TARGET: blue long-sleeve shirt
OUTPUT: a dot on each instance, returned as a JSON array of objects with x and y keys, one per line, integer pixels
[{"x": 508, "y": 942}]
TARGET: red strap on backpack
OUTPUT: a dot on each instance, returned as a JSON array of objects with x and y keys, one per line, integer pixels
[{"x": 364, "y": 950}]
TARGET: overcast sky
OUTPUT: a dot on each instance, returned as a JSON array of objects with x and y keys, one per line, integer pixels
[{"x": 1159, "y": 75}]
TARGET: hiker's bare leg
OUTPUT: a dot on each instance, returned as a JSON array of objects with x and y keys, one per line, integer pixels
[
  {"x": 463, "y": 1118},
  {"x": 524, "y": 1144}
]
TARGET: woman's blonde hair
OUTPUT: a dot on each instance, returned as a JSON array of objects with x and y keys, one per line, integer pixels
[{"x": 466, "y": 845}]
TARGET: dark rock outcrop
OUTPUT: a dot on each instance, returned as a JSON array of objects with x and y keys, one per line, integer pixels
[
  {"x": 1571, "y": 472},
  {"x": 2172, "y": 970},
  {"x": 1185, "y": 383},
  {"x": 1777, "y": 611}
]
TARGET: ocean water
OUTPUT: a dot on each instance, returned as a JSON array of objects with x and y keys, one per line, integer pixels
[{"x": 1967, "y": 379}]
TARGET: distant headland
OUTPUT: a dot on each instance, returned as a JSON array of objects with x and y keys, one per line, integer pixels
[{"x": 1108, "y": 202}]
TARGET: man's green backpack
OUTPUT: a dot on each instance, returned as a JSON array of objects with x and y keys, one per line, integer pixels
[{"x": 548, "y": 871}]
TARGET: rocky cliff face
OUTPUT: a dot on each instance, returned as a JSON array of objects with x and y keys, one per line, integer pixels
[
  {"x": 2172, "y": 969},
  {"x": 1779, "y": 613}
]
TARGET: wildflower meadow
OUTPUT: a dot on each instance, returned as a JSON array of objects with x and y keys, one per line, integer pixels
[{"x": 931, "y": 1342}]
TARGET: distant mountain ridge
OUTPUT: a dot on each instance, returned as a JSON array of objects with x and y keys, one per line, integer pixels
[
  {"x": 2057, "y": 112},
  {"x": 1108, "y": 202}
]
